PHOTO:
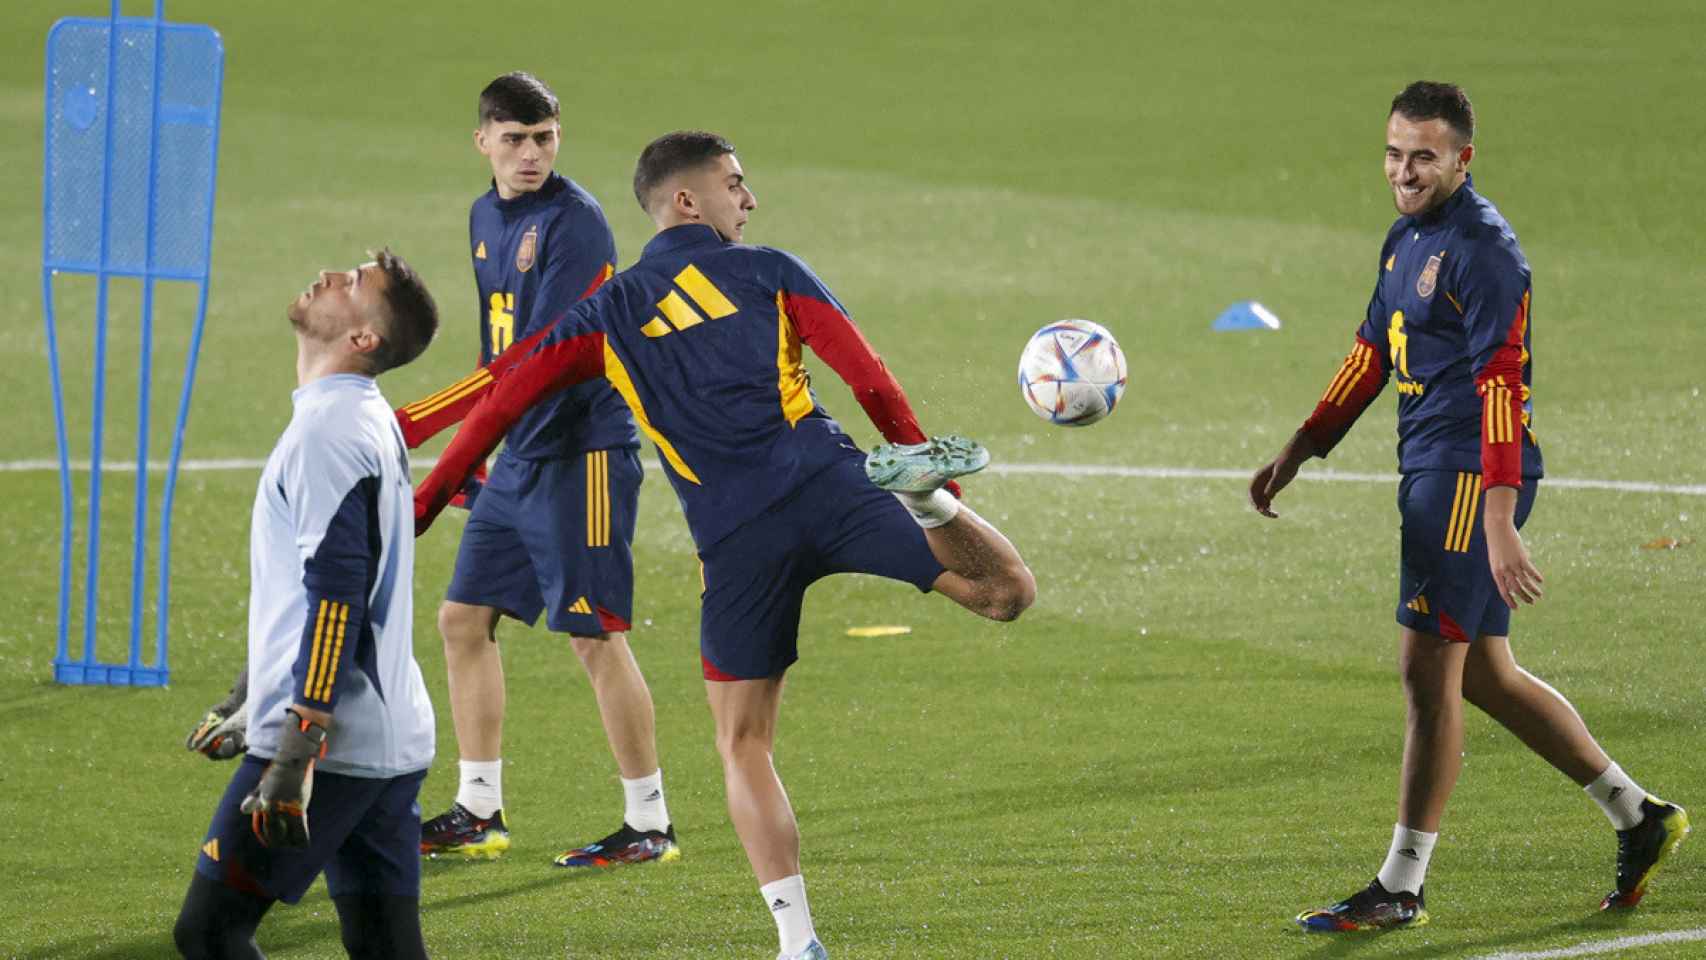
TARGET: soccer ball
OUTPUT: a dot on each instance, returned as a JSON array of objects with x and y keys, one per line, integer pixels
[{"x": 1072, "y": 373}]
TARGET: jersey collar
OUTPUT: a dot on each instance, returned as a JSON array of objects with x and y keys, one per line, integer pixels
[
  {"x": 678, "y": 237},
  {"x": 332, "y": 383},
  {"x": 553, "y": 185},
  {"x": 1451, "y": 205}
]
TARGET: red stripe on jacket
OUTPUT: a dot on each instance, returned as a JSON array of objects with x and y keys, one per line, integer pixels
[
  {"x": 1359, "y": 380},
  {"x": 1499, "y": 382}
]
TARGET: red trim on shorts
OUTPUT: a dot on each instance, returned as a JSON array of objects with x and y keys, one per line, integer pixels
[
  {"x": 1449, "y": 629},
  {"x": 610, "y": 622},
  {"x": 712, "y": 673}
]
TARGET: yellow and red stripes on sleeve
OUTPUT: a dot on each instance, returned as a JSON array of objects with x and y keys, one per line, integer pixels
[
  {"x": 1503, "y": 398},
  {"x": 459, "y": 390},
  {"x": 328, "y": 647},
  {"x": 427, "y": 416},
  {"x": 1357, "y": 363},
  {"x": 1501, "y": 412},
  {"x": 1352, "y": 389}
]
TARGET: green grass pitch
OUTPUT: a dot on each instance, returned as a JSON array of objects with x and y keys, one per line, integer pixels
[{"x": 1195, "y": 733}]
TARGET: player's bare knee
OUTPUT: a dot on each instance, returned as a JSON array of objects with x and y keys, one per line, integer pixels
[
  {"x": 594, "y": 649},
  {"x": 462, "y": 626},
  {"x": 737, "y": 739}
]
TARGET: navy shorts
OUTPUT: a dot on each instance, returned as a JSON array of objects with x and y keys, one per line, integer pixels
[
  {"x": 554, "y": 536},
  {"x": 365, "y": 833},
  {"x": 1445, "y": 584},
  {"x": 755, "y": 578}
]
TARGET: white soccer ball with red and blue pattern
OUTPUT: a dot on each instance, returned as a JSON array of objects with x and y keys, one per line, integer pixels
[{"x": 1072, "y": 373}]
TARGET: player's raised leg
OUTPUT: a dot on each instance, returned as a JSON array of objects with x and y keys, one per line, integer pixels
[
  {"x": 746, "y": 712},
  {"x": 1648, "y": 828},
  {"x": 474, "y": 825},
  {"x": 985, "y": 573}
]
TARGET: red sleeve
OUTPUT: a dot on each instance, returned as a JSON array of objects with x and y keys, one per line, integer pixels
[
  {"x": 426, "y": 417},
  {"x": 1499, "y": 382},
  {"x": 833, "y": 337},
  {"x": 553, "y": 367},
  {"x": 1354, "y": 387}
]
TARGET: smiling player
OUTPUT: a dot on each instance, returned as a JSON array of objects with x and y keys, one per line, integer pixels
[{"x": 1450, "y": 322}]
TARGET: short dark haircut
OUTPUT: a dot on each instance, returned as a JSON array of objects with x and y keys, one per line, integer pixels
[
  {"x": 1427, "y": 100},
  {"x": 520, "y": 97},
  {"x": 411, "y": 316},
  {"x": 671, "y": 154}
]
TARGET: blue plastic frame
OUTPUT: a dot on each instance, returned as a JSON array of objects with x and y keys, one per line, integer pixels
[{"x": 87, "y": 669}]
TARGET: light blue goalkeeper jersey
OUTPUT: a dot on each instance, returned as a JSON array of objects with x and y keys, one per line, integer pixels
[{"x": 331, "y": 567}]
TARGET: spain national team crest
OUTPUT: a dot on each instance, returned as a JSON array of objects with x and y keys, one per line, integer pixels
[
  {"x": 525, "y": 254},
  {"x": 1429, "y": 278}
]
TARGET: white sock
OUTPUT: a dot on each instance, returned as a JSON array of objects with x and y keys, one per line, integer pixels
[
  {"x": 482, "y": 789},
  {"x": 645, "y": 809},
  {"x": 930, "y": 509},
  {"x": 1619, "y": 796},
  {"x": 1406, "y": 866},
  {"x": 786, "y": 899}
]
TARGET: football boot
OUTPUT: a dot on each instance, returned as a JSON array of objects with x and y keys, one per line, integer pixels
[
  {"x": 923, "y": 467},
  {"x": 1371, "y": 908},
  {"x": 626, "y": 845},
  {"x": 459, "y": 831},
  {"x": 1641, "y": 848}
]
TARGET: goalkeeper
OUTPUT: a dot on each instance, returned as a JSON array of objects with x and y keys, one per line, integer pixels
[{"x": 331, "y": 687}]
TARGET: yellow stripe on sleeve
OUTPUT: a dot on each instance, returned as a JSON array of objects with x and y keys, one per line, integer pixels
[
  {"x": 317, "y": 679},
  {"x": 314, "y": 650},
  {"x": 471, "y": 386},
  {"x": 419, "y": 409},
  {"x": 1338, "y": 378},
  {"x": 1355, "y": 366},
  {"x": 337, "y": 651}
]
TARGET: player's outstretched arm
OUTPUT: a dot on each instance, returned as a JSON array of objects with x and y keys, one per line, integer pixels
[
  {"x": 442, "y": 409},
  {"x": 553, "y": 366},
  {"x": 1360, "y": 379}
]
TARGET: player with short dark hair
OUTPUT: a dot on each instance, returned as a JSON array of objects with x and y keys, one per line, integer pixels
[
  {"x": 339, "y": 714},
  {"x": 551, "y": 530},
  {"x": 1450, "y": 321},
  {"x": 703, "y": 337}
]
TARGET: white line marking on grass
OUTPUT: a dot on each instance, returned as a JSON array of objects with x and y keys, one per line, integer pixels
[
  {"x": 1593, "y": 947},
  {"x": 1003, "y": 469}
]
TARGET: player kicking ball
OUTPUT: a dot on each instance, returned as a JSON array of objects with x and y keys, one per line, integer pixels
[
  {"x": 1450, "y": 322},
  {"x": 341, "y": 730},
  {"x": 551, "y": 530},
  {"x": 702, "y": 337}
]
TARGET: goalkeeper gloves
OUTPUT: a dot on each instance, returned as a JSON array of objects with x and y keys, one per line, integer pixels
[
  {"x": 278, "y": 806},
  {"x": 223, "y": 733}
]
